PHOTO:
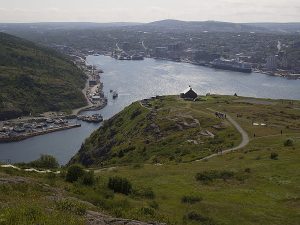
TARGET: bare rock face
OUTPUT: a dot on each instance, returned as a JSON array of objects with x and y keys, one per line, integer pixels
[{"x": 96, "y": 218}]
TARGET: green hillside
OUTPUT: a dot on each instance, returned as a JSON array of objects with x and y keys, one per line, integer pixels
[
  {"x": 153, "y": 174},
  {"x": 168, "y": 129},
  {"x": 35, "y": 79}
]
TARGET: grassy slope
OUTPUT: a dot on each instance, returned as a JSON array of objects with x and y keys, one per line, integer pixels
[
  {"x": 126, "y": 139},
  {"x": 34, "y": 79},
  {"x": 266, "y": 193},
  {"x": 269, "y": 194},
  {"x": 159, "y": 134}
]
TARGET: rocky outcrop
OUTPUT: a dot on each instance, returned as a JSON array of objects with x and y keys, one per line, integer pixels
[{"x": 96, "y": 218}]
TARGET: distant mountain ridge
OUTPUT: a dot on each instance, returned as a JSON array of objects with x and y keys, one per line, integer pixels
[{"x": 164, "y": 25}]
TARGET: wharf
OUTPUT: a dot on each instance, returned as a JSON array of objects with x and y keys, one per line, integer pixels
[{"x": 20, "y": 137}]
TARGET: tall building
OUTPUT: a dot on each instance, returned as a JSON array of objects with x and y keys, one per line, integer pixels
[{"x": 272, "y": 62}]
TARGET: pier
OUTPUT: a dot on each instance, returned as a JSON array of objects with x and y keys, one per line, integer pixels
[{"x": 14, "y": 137}]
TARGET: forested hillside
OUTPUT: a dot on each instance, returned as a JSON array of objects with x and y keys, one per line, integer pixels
[{"x": 34, "y": 79}]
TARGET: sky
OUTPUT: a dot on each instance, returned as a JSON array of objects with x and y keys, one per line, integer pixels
[{"x": 149, "y": 10}]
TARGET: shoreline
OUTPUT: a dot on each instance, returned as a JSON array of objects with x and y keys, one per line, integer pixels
[
  {"x": 9, "y": 136},
  {"x": 283, "y": 74},
  {"x": 37, "y": 133}
]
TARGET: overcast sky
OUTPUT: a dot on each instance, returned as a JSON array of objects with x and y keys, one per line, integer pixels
[{"x": 149, "y": 10}]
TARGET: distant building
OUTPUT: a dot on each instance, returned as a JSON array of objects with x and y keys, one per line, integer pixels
[
  {"x": 189, "y": 93},
  {"x": 161, "y": 51},
  {"x": 125, "y": 46},
  {"x": 96, "y": 98},
  {"x": 175, "y": 47},
  {"x": 92, "y": 83},
  {"x": 272, "y": 62},
  {"x": 282, "y": 60}
]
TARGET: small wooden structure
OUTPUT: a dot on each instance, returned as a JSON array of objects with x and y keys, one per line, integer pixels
[{"x": 189, "y": 93}]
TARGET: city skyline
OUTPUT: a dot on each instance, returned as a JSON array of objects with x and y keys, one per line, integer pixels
[{"x": 143, "y": 11}]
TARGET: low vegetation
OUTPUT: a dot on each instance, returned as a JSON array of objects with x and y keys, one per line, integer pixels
[
  {"x": 34, "y": 79},
  {"x": 44, "y": 162},
  {"x": 243, "y": 187}
]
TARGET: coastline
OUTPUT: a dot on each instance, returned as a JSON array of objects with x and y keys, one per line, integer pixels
[
  {"x": 10, "y": 136},
  {"x": 277, "y": 73}
]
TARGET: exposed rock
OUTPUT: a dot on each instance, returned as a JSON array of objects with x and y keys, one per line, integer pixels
[
  {"x": 96, "y": 218},
  {"x": 193, "y": 142},
  {"x": 13, "y": 180}
]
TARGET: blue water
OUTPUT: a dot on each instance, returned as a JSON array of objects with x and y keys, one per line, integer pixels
[{"x": 136, "y": 80}]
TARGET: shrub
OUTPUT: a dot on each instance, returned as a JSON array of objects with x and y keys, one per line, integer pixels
[
  {"x": 45, "y": 162},
  {"x": 199, "y": 218},
  {"x": 144, "y": 193},
  {"x": 190, "y": 199},
  {"x": 70, "y": 206},
  {"x": 154, "y": 205},
  {"x": 147, "y": 211},
  {"x": 274, "y": 156},
  {"x": 135, "y": 113},
  {"x": 88, "y": 178},
  {"x": 289, "y": 142},
  {"x": 74, "y": 173},
  {"x": 120, "y": 185},
  {"x": 225, "y": 175},
  {"x": 208, "y": 176},
  {"x": 247, "y": 170}
]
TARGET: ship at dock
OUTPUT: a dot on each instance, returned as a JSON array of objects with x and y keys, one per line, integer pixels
[
  {"x": 96, "y": 118},
  {"x": 231, "y": 64}
]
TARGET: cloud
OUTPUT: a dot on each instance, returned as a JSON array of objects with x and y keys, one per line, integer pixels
[{"x": 144, "y": 10}]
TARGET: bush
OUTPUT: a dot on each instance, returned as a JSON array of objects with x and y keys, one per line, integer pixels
[
  {"x": 70, "y": 206},
  {"x": 274, "y": 156},
  {"x": 144, "y": 193},
  {"x": 74, "y": 173},
  {"x": 135, "y": 113},
  {"x": 289, "y": 142},
  {"x": 199, "y": 218},
  {"x": 154, "y": 205},
  {"x": 208, "y": 176},
  {"x": 88, "y": 178},
  {"x": 247, "y": 170},
  {"x": 45, "y": 162},
  {"x": 147, "y": 211},
  {"x": 190, "y": 199},
  {"x": 120, "y": 185}
]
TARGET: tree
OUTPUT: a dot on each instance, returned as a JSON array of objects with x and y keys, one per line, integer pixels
[
  {"x": 46, "y": 162},
  {"x": 74, "y": 173}
]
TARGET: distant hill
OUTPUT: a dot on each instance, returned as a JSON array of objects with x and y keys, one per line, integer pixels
[
  {"x": 34, "y": 79},
  {"x": 211, "y": 26},
  {"x": 162, "y": 25},
  {"x": 278, "y": 27},
  {"x": 48, "y": 26}
]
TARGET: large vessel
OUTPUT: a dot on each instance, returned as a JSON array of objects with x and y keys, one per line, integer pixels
[
  {"x": 115, "y": 94},
  {"x": 232, "y": 64},
  {"x": 137, "y": 57}
]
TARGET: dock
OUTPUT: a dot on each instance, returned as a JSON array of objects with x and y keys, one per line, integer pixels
[{"x": 21, "y": 137}]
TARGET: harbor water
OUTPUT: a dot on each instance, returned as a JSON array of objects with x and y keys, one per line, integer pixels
[{"x": 135, "y": 80}]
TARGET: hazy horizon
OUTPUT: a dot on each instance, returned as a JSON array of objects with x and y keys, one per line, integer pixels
[{"x": 100, "y": 11}]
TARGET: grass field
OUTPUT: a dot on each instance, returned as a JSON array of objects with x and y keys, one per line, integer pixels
[{"x": 258, "y": 184}]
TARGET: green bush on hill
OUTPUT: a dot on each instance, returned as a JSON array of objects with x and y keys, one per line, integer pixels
[
  {"x": 120, "y": 185},
  {"x": 74, "y": 173}
]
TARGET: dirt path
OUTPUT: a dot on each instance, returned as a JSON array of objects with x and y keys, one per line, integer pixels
[
  {"x": 89, "y": 104},
  {"x": 244, "y": 142}
]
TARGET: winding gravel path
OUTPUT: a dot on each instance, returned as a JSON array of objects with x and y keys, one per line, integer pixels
[{"x": 244, "y": 142}]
